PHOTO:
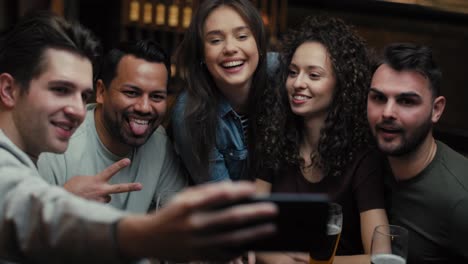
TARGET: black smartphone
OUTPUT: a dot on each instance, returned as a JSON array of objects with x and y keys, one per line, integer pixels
[{"x": 301, "y": 223}]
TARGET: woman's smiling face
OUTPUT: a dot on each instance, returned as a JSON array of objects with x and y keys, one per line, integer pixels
[
  {"x": 231, "y": 52},
  {"x": 311, "y": 80}
]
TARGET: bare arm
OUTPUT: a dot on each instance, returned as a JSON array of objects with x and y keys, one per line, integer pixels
[
  {"x": 262, "y": 187},
  {"x": 298, "y": 258},
  {"x": 97, "y": 187},
  {"x": 369, "y": 220}
]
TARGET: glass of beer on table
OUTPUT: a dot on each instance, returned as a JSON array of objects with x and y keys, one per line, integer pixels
[
  {"x": 389, "y": 245},
  {"x": 326, "y": 253}
]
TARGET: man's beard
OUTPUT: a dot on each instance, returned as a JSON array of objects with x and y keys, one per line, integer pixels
[
  {"x": 410, "y": 142},
  {"x": 118, "y": 132}
]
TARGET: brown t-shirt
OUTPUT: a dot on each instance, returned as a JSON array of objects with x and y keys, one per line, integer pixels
[{"x": 358, "y": 190}]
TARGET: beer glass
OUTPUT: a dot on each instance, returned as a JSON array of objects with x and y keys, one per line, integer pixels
[
  {"x": 326, "y": 253},
  {"x": 389, "y": 245}
]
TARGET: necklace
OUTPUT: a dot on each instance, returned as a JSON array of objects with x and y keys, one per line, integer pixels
[{"x": 312, "y": 173}]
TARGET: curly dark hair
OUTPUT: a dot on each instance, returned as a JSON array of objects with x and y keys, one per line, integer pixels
[{"x": 345, "y": 130}]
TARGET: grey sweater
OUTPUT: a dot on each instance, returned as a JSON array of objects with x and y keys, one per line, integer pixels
[{"x": 40, "y": 223}]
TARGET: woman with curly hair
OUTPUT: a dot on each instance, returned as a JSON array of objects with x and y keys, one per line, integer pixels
[
  {"x": 323, "y": 147},
  {"x": 223, "y": 61}
]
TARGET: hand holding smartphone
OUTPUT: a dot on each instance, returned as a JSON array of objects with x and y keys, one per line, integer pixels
[{"x": 301, "y": 223}]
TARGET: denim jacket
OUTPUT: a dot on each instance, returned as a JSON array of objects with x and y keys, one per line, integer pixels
[{"x": 228, "y": 158}]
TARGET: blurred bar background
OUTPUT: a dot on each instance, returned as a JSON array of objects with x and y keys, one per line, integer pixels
[{"x": 441, "y": 24}]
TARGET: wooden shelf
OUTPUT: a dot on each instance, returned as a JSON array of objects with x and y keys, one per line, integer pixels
[{"x": 389, "y": 8}]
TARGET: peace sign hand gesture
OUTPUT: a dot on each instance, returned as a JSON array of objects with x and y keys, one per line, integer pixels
[{"x": 97, "y": 187}]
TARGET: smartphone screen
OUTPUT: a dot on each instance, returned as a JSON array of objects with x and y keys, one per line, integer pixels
[{"x": 301, "y": 223}]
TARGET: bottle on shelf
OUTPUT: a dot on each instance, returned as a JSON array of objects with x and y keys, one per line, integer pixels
[
  {"x": 264, "y": 13},
  {"x": 134, "y": 11},
  {"x": 173, "y": 17},
  {"x": 187, "y": 13},
  {"x": 160, "y": 13},
  {"x": 148, "y": 12}
]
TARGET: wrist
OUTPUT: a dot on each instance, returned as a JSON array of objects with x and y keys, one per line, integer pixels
[{"x": 129, "y": 236}]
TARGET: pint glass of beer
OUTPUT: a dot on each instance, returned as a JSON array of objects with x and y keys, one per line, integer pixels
[
  {"x": 389, "y": 245},
  {"x": 327, "y": 251}
]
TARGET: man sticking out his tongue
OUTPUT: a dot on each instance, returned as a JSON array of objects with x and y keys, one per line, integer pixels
[
  {"x": 121, "y": 142},
  {"x": 139, "y": 127}
]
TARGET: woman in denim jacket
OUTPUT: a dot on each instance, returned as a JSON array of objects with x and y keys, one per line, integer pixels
[{"x": 222, "y": 60}]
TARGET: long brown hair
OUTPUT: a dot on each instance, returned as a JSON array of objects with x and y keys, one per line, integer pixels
[{"x": 201, "y": 116}]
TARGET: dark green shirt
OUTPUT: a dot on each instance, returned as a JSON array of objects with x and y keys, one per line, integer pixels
[{"x": 433, "y": 206}]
